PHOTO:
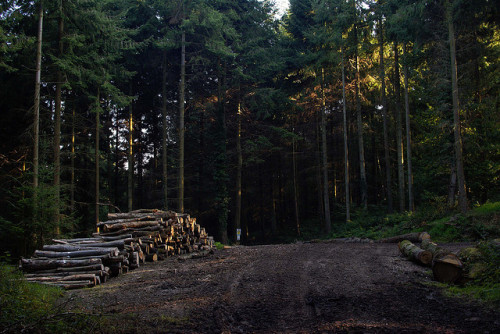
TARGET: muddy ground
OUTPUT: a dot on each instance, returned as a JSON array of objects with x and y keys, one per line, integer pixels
[{"x": 296, "y": 288}]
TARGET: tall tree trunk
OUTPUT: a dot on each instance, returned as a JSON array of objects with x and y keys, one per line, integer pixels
[
  {"x": 361, "y": 146},
  {"x": 97, "y": 153},
  {"x": 385, "y": 126},
  {"x": 220, "y": 173},
  {"x": 109, "y": 149},
  {"x": 130, "y": 155},
  {"x": 462, "y": 194},
  {"x": 295, "y": 188},
  {"x": 57, "y": 123},
  {"x": 140, "y": 159},
  {"x": 319, "y": 182},
  {"x": 326, "y": 197},
  {"x": 73, "y": 142},
  {"x": 346, "y": 147},
  {"x": 36, "y": 110},
  {"x": 452, "y": 187},
  {"x": 117, "y": 160},
  {"x": 399, "y": 131},
  {"x": 239, "y": 168},
  {"x": 411, "y": 200},
  {"x": 182, "y": 129},
  {"x": 164, "y": 131}
]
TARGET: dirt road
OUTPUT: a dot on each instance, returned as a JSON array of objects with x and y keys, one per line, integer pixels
[{"x": 297, "y": 288}]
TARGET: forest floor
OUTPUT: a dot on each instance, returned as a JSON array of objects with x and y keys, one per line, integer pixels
[{"x": 295, "y": 288}]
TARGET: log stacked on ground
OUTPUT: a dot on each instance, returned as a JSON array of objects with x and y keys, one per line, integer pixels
[
  {"x": 415, "y": 253},
  {"x": 446, "y": 266},
  {"x": 413, "y": 237},
  {"x": 122, "y": 243}
]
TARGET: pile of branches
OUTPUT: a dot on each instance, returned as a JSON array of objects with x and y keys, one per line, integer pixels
[{"x": 122, "y": 243}]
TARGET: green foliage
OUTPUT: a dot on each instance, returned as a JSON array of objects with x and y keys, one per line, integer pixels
[
  {"x": 219, "y": 245},
  {"x": 35, "y": 308},
  {"x": 485, "y": 283},
  {"x": 32, "y": 213},
  {"x": 480, "y": 224}
]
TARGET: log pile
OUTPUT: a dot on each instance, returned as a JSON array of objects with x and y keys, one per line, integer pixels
[{"x": 122, "y": 243}]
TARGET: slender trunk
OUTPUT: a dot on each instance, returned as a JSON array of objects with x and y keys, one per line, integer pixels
[
  {"x": 239, "y": 167},
  {"x": 452, "y": 187},
  {"x": 399, "y": 131},
  {"x": 346, "y": 148},
  {"x": 73, "y": 140},
  {"x": 36, "y": 111},
  {"x": 274, "y": 216},
  {"x": 319, "y": 182},
  {"x": 130, "y": 155},
  {"x": 97, "y": 154},
  {"x": 57, "y": 123},
  {"x": 411, "y": 201},
  {"x": 326, "y": 198},
  {"x": 361, "y": 146},
  {"x": 140, "y": 159},
  {"x": 295, "y": 188},
  {"x": 164, "y": 131},
  {"x": 462, "y": 195},
  {"x": 117, "y": 159},
  {"x": 220, "y": 167},
  {"x": 385, "y": 126},
  {"x": 109, "y": 149},
  {"x": 182, "y": 129}
]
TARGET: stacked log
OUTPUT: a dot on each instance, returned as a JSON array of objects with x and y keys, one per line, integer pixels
[
  {"x": 415, "y": 253},
  {"x": 446, "y": 266},
  {"x": 122, "y": 243}
]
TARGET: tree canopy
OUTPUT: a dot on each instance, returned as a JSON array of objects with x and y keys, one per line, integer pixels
[{"x": 243, "y": 119}]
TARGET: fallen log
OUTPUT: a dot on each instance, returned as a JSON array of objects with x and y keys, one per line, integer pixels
[
  {"x": 156, "y": 214},
  {"x": 79, "y": 277},
  {"x": 152, "y": 257},
  {"x": 413, "y": 237},
  {"x": 70, "y": 285},
  {"x": 126, "y": 220},
  {"x": 70, "y": 241},
  {"x": 120, "y": 244},
  {"x": 415, "y": 253},
  {"x": 73, "y": 269},
  {"x": 446, "y": 266},
  {"x": 77, "y": 253},
  {"x": 65, "y": 274},
  {"x": 197, "y": 255},
  {"x": 118, "y": 237},
  {"x": 44, "y": 264},
  {"x": 76, "y": 247},
  {"x": 132, "y": 224}
]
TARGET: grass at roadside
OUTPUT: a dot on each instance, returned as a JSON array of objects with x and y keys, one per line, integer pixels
[{"x": 35, "y": 308}]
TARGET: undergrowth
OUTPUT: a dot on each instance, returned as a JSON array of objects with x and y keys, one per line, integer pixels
[
  {"x": 34, "y": 308},
  {"x": 481, "y": 223}
]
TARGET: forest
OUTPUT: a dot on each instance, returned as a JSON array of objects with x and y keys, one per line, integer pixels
[{"x": 280, "y": 127}]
